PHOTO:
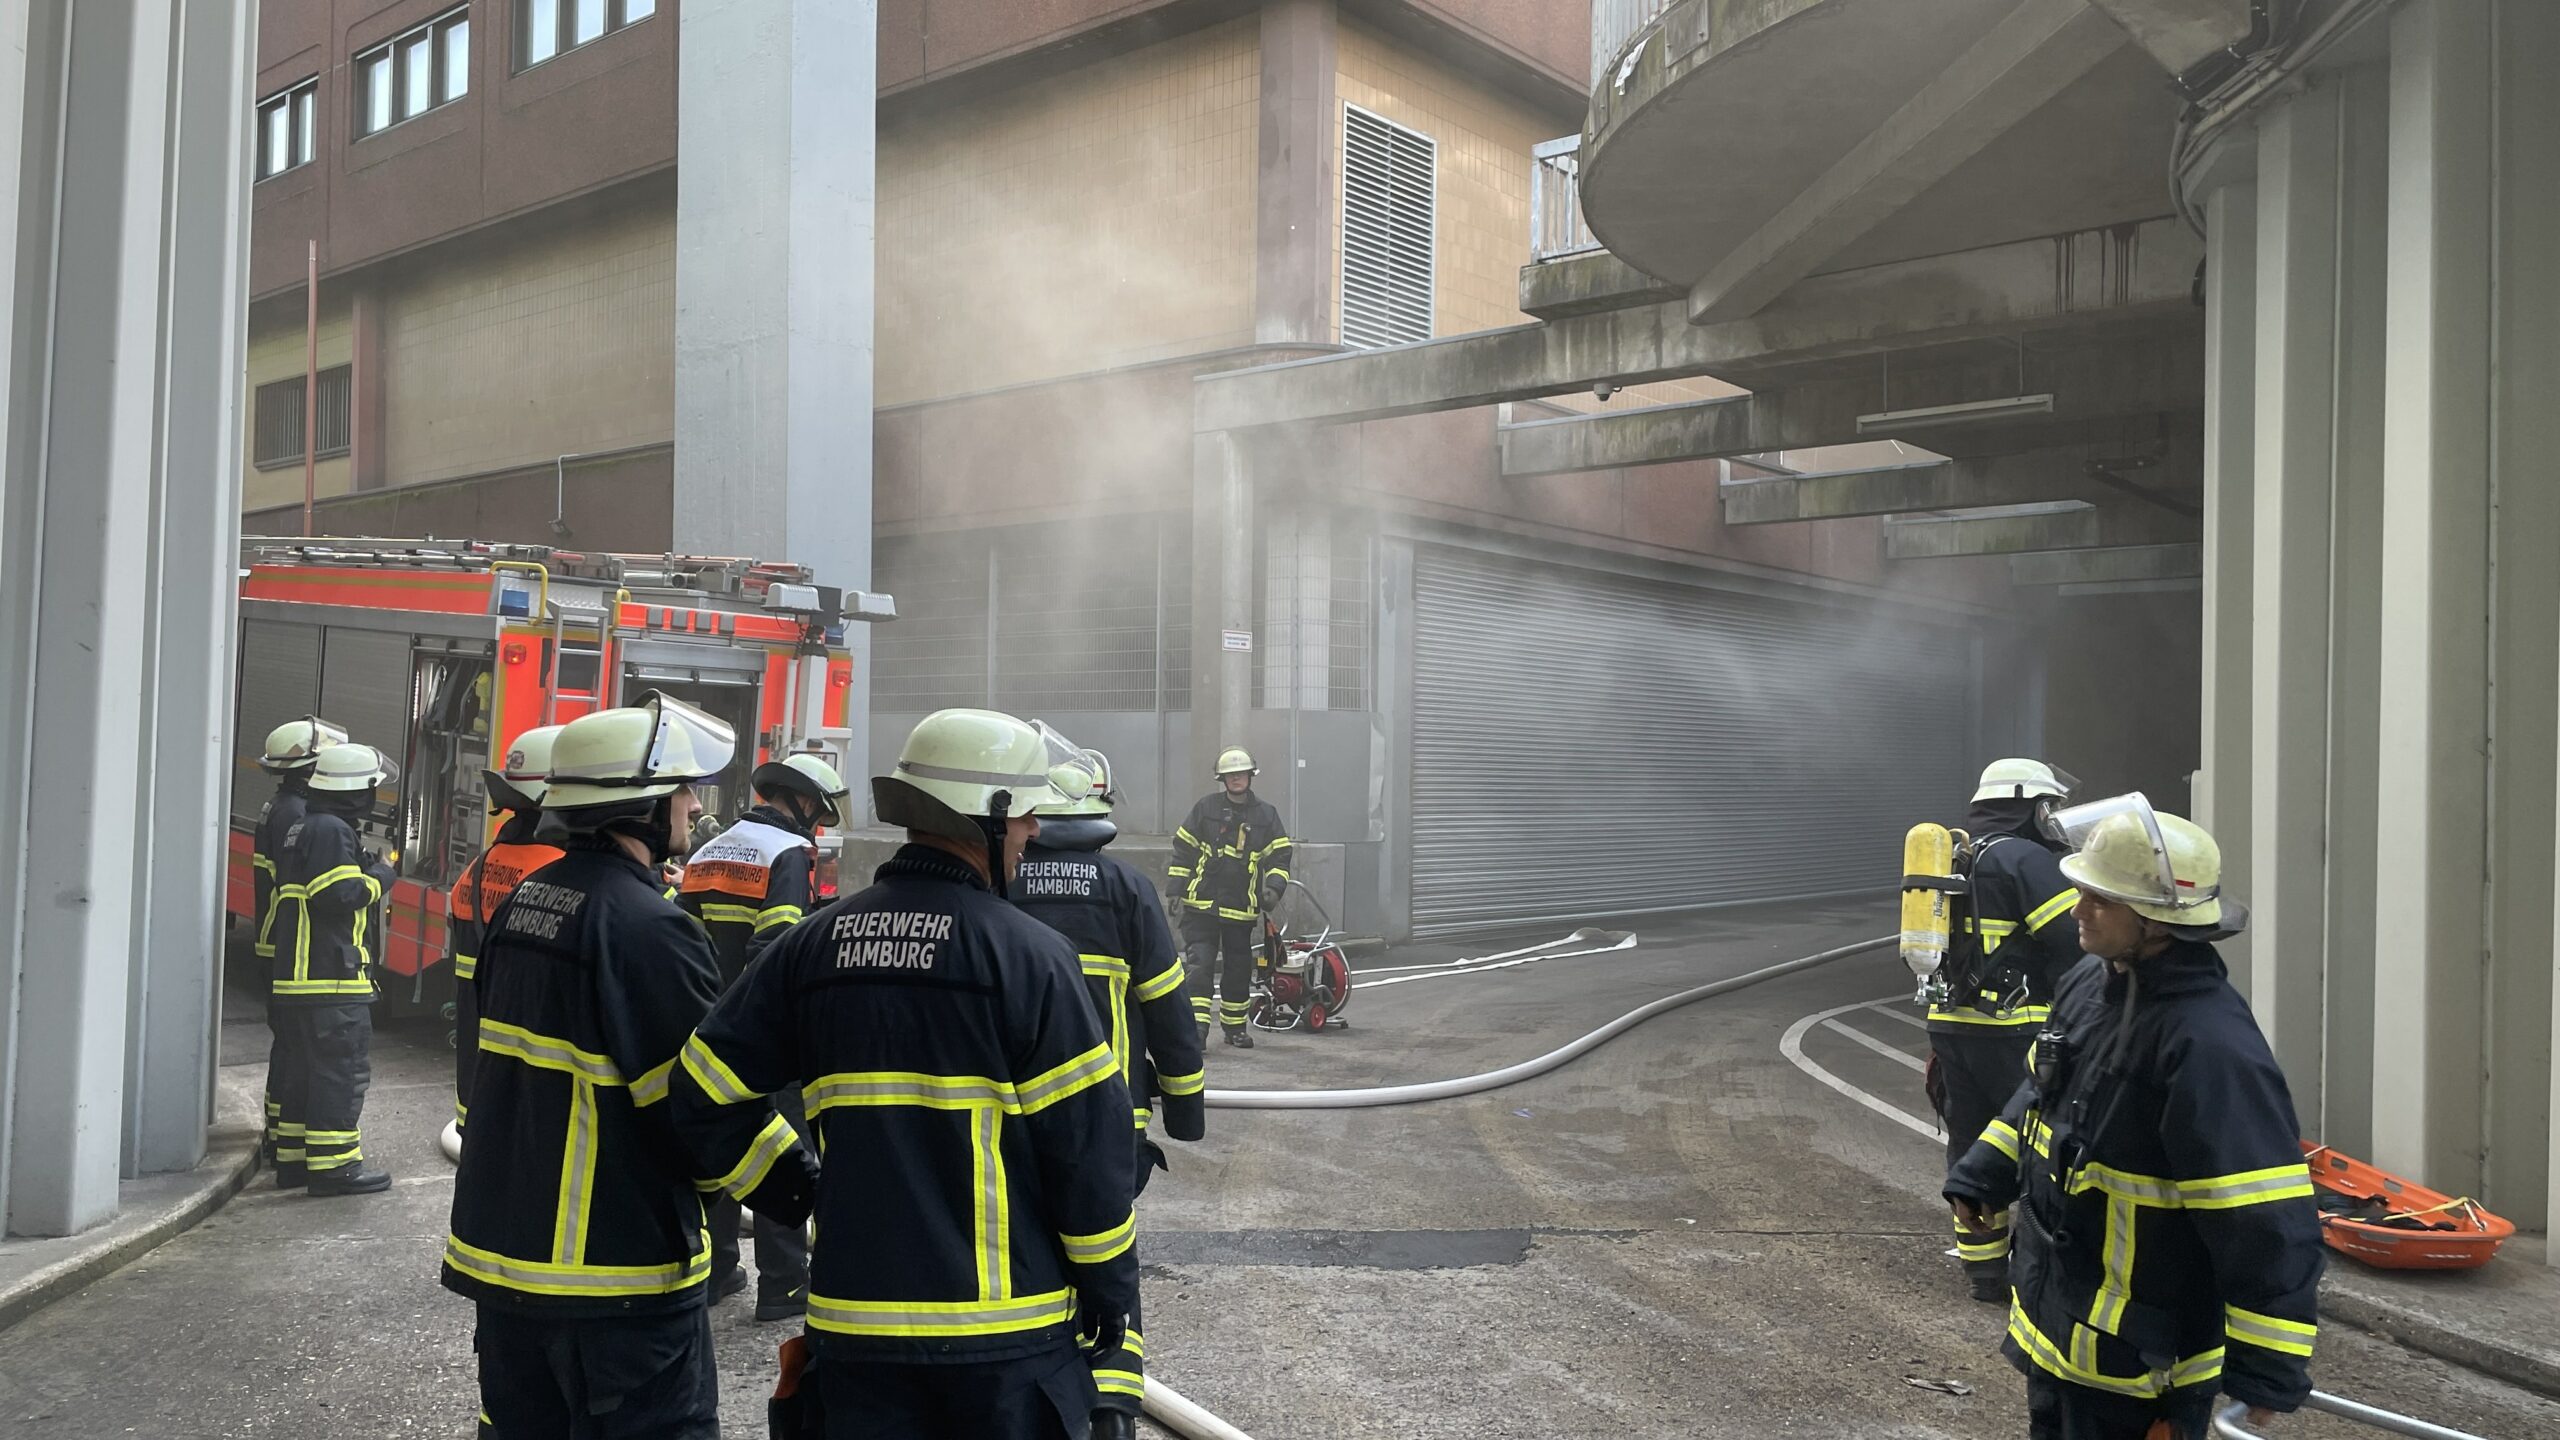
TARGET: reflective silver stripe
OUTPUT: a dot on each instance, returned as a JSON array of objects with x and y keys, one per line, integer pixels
[
  {"x": 974, "y": 777},
  {"x": 995, "y": 1264},
  {"x": 577, "y": 1176},
  {"x": 2290, "y": 1337},
  {"x": 546, "y": 1051},
  {"x": 1166, "y": 982},
  {"x": 1058, "y": 1084},
  {"x": 2228, "y": 1191},
  {"x": 713, "y": 1074},
  {"x": 651, "y": 1088},
  {"x": 2148, "y": 1189},
  {"x": 950, "y": 1092},
  {"x": 537, "y": 1278},
  {"x": 1191, "y": 1084},
  {"x": 1096, "y": 1249},
  {"x": 771, "y": 1144}
]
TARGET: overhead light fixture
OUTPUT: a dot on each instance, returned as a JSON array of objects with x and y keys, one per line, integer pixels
[{"x": 1939, "y": 417}]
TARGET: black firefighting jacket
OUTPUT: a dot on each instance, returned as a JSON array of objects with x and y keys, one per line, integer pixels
[
  {"x": 328, "y": 900},
  {"x": 748, "y": 885},
  {"x": 2166, "y": 1238},
  {"x": 2019, "y": 940},
  {"x": 1131, "y": 968},
  {"x": 575, "y": 1196},
  {"x": 973, "y": 1120},
  {"x": 1223, "y": 850},
  {"x": 486, "y": 883},
  {"x": 284, "y": 810}
]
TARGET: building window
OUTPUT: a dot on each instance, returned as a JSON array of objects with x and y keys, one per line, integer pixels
[
  {"x": 288, "y": 127},
  {"x": 279, "y": 420},
  {"x": 414, "y": 73},
  {"x": 1389, "y": 226},
  {"x": 546, "y": 28}
]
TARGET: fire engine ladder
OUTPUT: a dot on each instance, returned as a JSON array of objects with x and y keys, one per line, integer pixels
[{"x": 608, "y": 687}]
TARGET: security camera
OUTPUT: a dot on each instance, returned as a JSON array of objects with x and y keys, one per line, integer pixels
[{"x": 1603, "y": 390}]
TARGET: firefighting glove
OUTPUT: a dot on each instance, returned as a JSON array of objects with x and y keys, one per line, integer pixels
[
  {"x": 1933, "y": 1083},
  {"x": 1150, "y": 1160},
  {"x": 1099, "y": 1331},
  {"x": 1273, "y": 887}
]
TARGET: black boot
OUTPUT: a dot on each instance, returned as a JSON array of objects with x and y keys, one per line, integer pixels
[
  {"x": 290, "y": 1175},
  {"x": 773, "y": 1305},
  {"x": 357, "y": 1178},
  {"x": 1114, "y": 1425},
  {"x": 1240, "y": 1037}
]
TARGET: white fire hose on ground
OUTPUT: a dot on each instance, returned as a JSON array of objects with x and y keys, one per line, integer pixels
[{"x": 2227, "y": 1425}]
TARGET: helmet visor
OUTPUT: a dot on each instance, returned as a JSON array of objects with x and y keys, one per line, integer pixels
[
  {"x": 1070, "y": 766},
  {"x": 2158, "y": 885},
  {"x": 686, "y": 743}
]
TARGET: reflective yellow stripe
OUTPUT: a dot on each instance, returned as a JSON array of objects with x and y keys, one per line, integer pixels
[
  {"x": 1111, "y": 966},
  {"x": 1200, "y": 1008},
  {"x": 771, "y": 1143},
  {"x": 772, "y": 916},
  {"x": 729, "y": 914},
  {"x": 2080, "y": 1367},
  {"x": 2052, "y": 910},
  {"x": 329, "y": 880},
  {"x": 537, "y": 1277},
  {"x": 2249, "y": 1187},
  {"x": 1165, "y": 983},
  {"x": 651, "y": 1088},
  {"x": 907, "y": 1087},
  {"x": 361, "y": 986},
  {"x": 2115, "y": 1291},
  {"x": 1191, "y": 1084},
  {"x": 940, "y": 1319},
  {"x": 1983, "y": 1250},
  {"x": 713, "y": 1073},
  {"x": 2024, "y": 1015},
  {"x": 546, "y": 1052},
  {"x": 465, "y": 966},
  {"x": 2148, "y": 1190},
  {"x": 991, "y": 1205},
  {"x": 1134, "y": 1343},
  {"x": 1073, "y": 1078},
  {"x": 1107, "y": 1245},
  {"x": 2000, "y": 1135},
  {"x": 577, "y": 1177},
  {"x": 1120, "y": 1382},
  {"x": 2289, "y": 1337}
]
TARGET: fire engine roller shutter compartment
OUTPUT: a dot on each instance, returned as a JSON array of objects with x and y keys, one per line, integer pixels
[
  {"x": 279, "y": 681},
  {"x": 1589, "y": 744}
]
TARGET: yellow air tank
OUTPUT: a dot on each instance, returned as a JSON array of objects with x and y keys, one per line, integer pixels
[{"x": 1929, "y": 887}]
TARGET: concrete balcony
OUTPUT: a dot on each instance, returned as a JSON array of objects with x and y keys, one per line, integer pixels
[{"x": 1735, "y": 147}]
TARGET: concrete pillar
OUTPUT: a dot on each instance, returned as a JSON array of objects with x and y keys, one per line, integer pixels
[
  {"x": 774, "y": 200},
  {"x": 2230, "y": 398},
  {"x": 2289, "y": 589},
  {"x": 86, "y": 446},
  {"x": 1221, "y": 597},
  {"x": 2525, "y": 606},
  {"x": 1294, "y": 186},
  {"x": 186, "y": 753},
  {"x": 2429, "y": 937},
  {"x": 2355, "y": 609}
]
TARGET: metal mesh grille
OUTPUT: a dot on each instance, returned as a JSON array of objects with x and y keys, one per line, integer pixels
[{"x": 1389, "y": 225}]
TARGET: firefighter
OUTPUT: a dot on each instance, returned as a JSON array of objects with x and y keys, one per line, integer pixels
[
  {"x": 320, "y": 983},
  {"x": 1230, "y": 863},
  {"x": 2017, "y": 941},
  {"x": 578, "y": 1225},
  {"x": 747, "y": 885},
  {"x": 291, "y": 749},
  {"x": 1134, "y": 975},
  {"x": 2168, "y": 1245},
  {"x": 515, "y": 793},
  {"x": 974, "y": 1222}
]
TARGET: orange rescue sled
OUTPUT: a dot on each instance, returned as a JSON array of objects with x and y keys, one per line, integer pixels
[{"x": 2397, "y": 1224}]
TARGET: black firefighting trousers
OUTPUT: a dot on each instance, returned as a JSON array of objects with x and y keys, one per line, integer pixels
[
  {"x": 2060, "y": 1410},
  {"x": 782, "y": 1251},
  {"x": 317, "y": 1070},
  {"x": 1214, "y": 946},
  {"x": 1048, "y": 1396},
  {"x": 1975, "y": 1075},
  {"x": 647, "y": 1377}
]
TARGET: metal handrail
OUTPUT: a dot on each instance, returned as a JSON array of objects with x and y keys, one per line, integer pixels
[{"x": 2227, "y": 1424}]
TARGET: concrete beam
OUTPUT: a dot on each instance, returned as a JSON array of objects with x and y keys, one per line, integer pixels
[
  {"x": 2022, "y": 62},
  {"x": 1588, "y": 284},
  {"x": 2122, "y": 565},
  {"x": 2098, "y": 281},
  {"x": 2090, "y": 529},
  {"x": 2143, "y": 378},
  {"x": 2181, "y": 34},
  {"x": 2031, "y": 477}
]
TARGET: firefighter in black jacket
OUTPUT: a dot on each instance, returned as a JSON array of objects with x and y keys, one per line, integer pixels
[
  {"x": 291, "y": 749},
  {"x": 515, "y": 792},
  {"x": 578, "y": 1224},
  {"x": 1134, "y": 974},
  {"x": 320, "y": 983},
  {"x": 974, "y": 1224},
  {"x": 2168, "y": 1244},
  {"x": 747, "y": 885},
  {"x": 1230, "y": 863},
  {"x": 2017, "y": 943}
]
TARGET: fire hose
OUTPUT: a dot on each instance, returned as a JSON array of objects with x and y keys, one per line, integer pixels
[{"x": 2227, "y": 1425}]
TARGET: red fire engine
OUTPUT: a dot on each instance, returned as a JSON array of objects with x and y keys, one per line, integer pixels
[{"x": 434, "y": 651}]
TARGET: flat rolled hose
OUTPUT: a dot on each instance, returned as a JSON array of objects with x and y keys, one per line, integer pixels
[{"x": 1527, "y": 1069}]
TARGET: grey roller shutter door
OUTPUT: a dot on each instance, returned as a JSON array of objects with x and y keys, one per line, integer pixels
[
  {"x": 279, "y": 672},
  {"x": 1588, "y": 744}
]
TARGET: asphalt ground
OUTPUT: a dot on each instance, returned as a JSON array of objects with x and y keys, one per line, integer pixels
[{"x": 1682, "y": 1234}]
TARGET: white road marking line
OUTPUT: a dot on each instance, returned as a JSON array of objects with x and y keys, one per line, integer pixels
[
  {"x": 1898, "y": 1010},
  {"x": 1899, "y": 1057},
  {"x": 1791, "y": 1045}
]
